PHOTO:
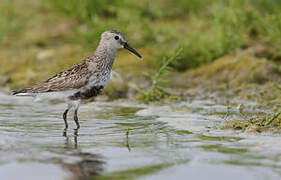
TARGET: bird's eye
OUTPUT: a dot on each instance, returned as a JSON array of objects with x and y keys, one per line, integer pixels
[{"x": 116, "y": 37}]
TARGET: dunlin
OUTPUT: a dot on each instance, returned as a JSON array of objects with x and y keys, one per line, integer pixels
[{"x": 84, "y": 80}]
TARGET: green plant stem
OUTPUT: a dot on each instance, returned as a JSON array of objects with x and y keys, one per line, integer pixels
[
  {"x": 151, "y": 94},
  {"x": 275, "y": 116}
]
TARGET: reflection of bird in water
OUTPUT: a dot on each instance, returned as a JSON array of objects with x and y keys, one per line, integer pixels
[
  {"x": 89, "y": 165},
  {"x": 87, "y": 168},
  {"x": 67, "y": 143},
  {"x": 84, "y": 80}
]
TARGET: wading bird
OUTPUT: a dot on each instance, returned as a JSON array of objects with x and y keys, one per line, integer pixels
[{"x": 84, "y": 80}]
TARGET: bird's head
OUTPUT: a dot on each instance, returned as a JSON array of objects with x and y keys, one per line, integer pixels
[{"x": 116, "y": 39}]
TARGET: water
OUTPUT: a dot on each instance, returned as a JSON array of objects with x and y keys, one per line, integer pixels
[{"x": 180, "y": 141}]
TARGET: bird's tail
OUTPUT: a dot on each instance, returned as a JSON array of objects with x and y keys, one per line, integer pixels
[{"x": 22, "y": 92}]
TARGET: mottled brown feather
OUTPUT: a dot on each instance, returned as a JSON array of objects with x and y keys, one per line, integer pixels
[{"x": 72, "y": 78}]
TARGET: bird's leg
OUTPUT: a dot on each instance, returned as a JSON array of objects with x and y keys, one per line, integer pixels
[
  {"x": 76, "y": 105},
  {"x": 76, "y": 119},
  {"x": 65, "y": 118},
  {"x": 75, "y": 138},
  {"x": 65, "y": 121}
]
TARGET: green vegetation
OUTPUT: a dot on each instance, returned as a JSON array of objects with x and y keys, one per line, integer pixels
[
  {"x": 256, "y": 123},
  {"x": 274, "y": 117},
  {"x": 156, "y": 93},
  {"x": 48, "y": 36}
]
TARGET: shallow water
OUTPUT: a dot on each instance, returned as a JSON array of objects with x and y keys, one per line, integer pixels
[{"x": 162, "y": 142}]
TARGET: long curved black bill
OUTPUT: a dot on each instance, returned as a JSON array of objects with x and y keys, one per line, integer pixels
[{"x": 126, "y": 46}]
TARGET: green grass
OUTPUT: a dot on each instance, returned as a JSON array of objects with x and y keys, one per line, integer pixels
[
  {"x": 156, "y": 93},
  {"x": 212, "y": 28},
  {"x": 7, "y": 16},
  {"x": 207, "y": 29}
]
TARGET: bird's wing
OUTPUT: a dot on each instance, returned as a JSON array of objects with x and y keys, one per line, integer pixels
[{"x": 72, "y": 78}]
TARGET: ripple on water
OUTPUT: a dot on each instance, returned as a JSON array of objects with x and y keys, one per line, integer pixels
[{"x": 162, "y": 142}]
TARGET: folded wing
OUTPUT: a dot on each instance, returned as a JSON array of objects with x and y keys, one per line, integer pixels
[{"x": 72, "y": 78}]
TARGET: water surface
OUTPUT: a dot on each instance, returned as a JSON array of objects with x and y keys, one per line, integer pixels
[{"x": 121, "y": 140}]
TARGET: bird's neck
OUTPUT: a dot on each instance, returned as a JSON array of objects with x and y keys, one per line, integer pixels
[{"x": 106, "y": 54}]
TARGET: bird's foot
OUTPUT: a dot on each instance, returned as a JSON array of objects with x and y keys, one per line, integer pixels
[
  {"x": 76, "y": 132},
  {"x": 64, "y": 132}
]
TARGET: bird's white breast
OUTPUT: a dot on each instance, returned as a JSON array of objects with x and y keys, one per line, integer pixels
[{"x": 98, "y": 79}]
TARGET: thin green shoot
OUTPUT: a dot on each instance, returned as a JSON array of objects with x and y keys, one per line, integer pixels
[
  {"x": 156, "y": 92},
  {"x": 269, "y": 121}
]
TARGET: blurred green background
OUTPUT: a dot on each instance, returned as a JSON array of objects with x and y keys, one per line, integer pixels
[{"x": 41, "y": 37}]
